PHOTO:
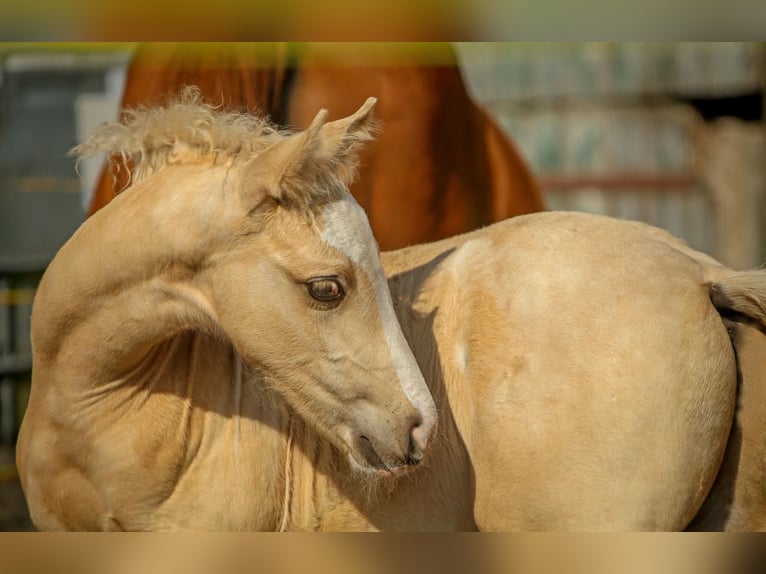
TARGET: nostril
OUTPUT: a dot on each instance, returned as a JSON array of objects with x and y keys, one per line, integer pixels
[
  {"x": 420, "y": 434},
  {"x": 418, "y": 440},
  {"x": 415, "y": 453}
]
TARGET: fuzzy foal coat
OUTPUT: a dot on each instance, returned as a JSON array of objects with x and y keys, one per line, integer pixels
[
  {"x": 583, "y": 377},
  {"x": 582, "y": 371}
]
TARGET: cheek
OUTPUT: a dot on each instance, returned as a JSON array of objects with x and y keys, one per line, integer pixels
[
  {"x": 354, "y": 328},
  {"x": 262, "y": 312},
  {"x": 281, "y": 340},
  {"x": 243, "y": 291}
]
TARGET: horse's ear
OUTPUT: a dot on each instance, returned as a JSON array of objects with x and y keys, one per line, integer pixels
[
  {"x": 293, "y": 170},
  {"x": 272, "y": 173},
  {"x": 341, "y": 139}
]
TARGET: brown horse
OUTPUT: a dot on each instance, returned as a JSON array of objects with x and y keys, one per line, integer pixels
[{"x": 422, "y": 180}]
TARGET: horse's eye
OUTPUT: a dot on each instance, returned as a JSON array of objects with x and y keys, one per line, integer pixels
[{"x": 325, "y": 289}]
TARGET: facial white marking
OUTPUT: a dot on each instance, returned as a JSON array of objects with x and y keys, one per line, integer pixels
[{"x": 347, "y": 229}]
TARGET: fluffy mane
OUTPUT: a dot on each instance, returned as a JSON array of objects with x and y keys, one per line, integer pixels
[{"x": 150, "y": 138}]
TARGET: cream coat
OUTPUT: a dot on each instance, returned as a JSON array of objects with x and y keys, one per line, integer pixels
[{"x": 582, "y": 376}]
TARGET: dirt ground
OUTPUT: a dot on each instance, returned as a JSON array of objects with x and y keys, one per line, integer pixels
[{"x": 14, "y": 515}]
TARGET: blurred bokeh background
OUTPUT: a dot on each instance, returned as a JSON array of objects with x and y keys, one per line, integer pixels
[{"x": 668, "y": 133}]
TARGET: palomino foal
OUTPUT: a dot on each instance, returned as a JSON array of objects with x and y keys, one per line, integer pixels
[
  {"x": 185, "y": 331},
  {"x": 218, "y": 349}
]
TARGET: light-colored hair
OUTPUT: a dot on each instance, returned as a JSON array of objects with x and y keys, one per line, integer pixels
[{"x": 150, "y": 138}]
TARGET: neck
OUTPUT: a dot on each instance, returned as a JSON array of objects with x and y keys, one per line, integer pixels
[{"x": 119, "y": 286}]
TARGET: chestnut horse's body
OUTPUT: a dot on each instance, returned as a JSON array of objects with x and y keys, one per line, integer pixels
[{"x": 441, "y": 165}]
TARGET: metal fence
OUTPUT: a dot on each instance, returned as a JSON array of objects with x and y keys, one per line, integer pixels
[
  {"x": 33, "y": 226},
  {"x": 609, "y": 128}
]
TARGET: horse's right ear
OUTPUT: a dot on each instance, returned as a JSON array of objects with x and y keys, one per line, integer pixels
[
  {"x": 340, "y": 140},
  {"x": 270, "y": 173}
]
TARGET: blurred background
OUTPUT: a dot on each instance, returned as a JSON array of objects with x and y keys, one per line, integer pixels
[{"x": 668, "y": 133}]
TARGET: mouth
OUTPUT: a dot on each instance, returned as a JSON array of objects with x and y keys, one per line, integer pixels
[{"x": 374, "y": 464}]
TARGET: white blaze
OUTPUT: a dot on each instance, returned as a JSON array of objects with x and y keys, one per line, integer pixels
[{"x": 347, "y": 229}]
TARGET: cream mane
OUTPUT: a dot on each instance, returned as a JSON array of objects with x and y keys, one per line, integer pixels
[
  {"x": 318, "y": 165},
  {"x": 186, "y": 128}
]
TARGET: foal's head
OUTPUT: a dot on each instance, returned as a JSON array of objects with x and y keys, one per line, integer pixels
[{"x": 287, "y": 267}]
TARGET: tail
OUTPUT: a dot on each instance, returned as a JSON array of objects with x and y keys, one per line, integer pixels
[{"x": 742, "y": 293}]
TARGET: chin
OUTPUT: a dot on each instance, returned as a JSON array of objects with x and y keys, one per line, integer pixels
[{"x": 369, "y": 472}]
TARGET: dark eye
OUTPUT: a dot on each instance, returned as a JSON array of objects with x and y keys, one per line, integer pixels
[{"x": 325, "y": 289}]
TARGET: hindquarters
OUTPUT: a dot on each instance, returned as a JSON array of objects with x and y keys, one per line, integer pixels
[
  {"x": 604, "y": 439},
  {"x": 599, "y": 379}
]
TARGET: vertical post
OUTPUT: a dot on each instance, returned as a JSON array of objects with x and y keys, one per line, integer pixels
[
  {"x": 761, "y": 208},
  {"x": 7, "y": 398}
]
